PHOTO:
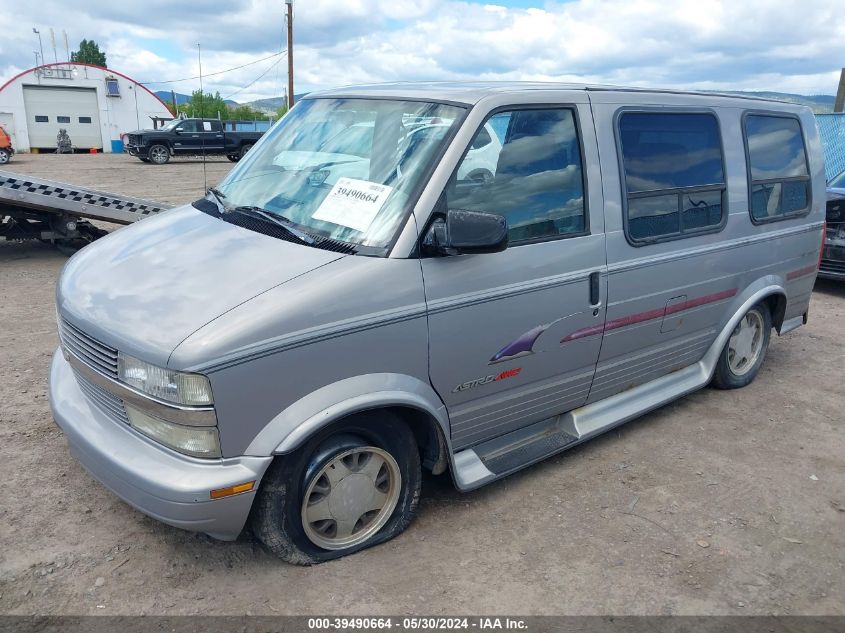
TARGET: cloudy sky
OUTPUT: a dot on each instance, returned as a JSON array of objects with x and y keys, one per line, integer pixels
[{"x": 784, "y": 45}]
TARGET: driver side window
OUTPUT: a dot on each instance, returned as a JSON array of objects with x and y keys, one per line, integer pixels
[
  {"x": 526, "y": 166},
  {"x": 188, "y": 127}
]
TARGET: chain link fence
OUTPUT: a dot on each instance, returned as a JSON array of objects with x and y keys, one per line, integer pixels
[{"x": 832, "y": 131}]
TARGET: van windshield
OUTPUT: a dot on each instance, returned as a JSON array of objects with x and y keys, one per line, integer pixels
[{"x": 342, "y": 168}]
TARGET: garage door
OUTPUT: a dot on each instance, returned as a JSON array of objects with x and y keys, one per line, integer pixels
[{"x": 49, "y": 109}]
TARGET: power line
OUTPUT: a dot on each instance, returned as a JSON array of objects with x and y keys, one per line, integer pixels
[
  {"x": 269, "y": 68},
  {"x": 219, "y": 72}
]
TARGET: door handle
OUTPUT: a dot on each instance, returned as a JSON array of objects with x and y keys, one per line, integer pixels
[{"x": 595, "y": 289}]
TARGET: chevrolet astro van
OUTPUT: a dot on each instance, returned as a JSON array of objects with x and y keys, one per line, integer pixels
[{"x": 481, "y": 276}]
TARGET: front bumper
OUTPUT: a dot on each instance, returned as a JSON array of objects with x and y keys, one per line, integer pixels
[
  {"x": 169, "y": 487},
  {"x": 136, "y": 150},
  {"x": 833, "y": 256}
]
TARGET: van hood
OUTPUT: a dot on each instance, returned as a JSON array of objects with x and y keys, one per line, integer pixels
[{"x": 145, "y": 288}]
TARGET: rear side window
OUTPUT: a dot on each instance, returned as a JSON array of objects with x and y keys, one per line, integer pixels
[
  {"x": 533, "y": 178},
  {"x": 674, "y": 175},
  {"x": 777, "y": 163}
]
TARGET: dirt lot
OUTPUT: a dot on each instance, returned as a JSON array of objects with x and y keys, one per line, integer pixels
[{"x": 723, "y": 502}]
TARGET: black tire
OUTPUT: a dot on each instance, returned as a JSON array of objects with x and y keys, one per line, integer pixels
[
  {"x": 5, "y": 156},
  {"x": 159, "y": 154},
  {"x": 277, "y": 512},
  {"x": 233, "y": 157},
  {"x": 724, "y": 376},
  {"x": 244, "y": 150}
]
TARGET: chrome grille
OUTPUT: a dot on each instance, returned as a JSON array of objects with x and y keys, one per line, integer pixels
[
  {"x": 107, "y": 402},
  {"x": 93, "y": 353}
]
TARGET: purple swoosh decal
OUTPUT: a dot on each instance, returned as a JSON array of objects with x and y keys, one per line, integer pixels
[{"x": 521, "y": 346}]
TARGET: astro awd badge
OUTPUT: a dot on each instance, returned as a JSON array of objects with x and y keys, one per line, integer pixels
[{"x": 471, "y": 384}]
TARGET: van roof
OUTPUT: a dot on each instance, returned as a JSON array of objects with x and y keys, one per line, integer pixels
[{"x": 470, "y": 92}]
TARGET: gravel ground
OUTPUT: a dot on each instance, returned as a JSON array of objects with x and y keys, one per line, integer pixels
[{"x": 720, "y": 503}]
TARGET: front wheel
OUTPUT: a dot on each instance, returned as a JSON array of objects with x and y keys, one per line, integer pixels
[
  {"x": 346, "y": 490},
  {"x": 745, "y": 350},
  {"x": 5, "y": 156},
  {"x": 159, "y": 154}
]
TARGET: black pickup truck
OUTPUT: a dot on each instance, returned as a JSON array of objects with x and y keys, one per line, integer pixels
[{"x": 189, "y": 136}]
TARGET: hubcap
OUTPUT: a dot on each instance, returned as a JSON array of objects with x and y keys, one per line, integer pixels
[
  {"x": 746, "y": 343},
  {"x": 351, "y": 498},
  {"x": 158, "y": 155},
  {"x": 4, "y": 157}
]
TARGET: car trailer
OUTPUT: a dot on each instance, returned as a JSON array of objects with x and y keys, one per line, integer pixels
[{"x": 55, "y": 212}]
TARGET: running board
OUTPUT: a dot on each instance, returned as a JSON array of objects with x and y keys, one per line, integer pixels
[{"x": 508, "y": 453}]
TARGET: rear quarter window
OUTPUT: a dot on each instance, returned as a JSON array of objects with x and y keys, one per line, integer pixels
[{"x": 778, "y": 175}]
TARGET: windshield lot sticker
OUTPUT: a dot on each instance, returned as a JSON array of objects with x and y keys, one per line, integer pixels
[{"x": 353, "y": 203}]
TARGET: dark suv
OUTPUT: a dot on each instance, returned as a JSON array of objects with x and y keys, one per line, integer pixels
[
  {"x": 189, "y": 137},
  {"x": 833, "y": 255}
]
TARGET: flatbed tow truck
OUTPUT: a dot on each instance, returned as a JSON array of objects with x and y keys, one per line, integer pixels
[{"x": 59, "y": 213}]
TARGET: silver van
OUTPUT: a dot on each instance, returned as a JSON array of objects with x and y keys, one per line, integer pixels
[{"x": 457, "y": 277}]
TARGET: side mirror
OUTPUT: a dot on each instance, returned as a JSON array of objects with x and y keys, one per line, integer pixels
[
  {"x": 178, "y": 130},
  {"x": 467, "y": 232}
]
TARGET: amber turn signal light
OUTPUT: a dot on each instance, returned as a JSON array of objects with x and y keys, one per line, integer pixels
[{"x": 232, "y": 490}]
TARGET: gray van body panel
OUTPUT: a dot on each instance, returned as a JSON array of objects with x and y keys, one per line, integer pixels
[
  {"x": 364, "y": 315},
  {"x": 115, "y": 291},
  {"x": 294, "y": 338}
]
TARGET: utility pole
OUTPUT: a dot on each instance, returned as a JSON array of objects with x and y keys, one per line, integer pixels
[
  {"x": 840, "y": 93},
  {"x": 40, "y": 45},
  {"x": 53, "y": 40},
  {"x": 289, "y": 4}
]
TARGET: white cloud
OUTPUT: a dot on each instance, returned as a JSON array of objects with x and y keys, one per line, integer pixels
[{"x": 781, "y": 45}]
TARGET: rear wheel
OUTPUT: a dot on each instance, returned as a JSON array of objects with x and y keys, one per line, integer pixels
[
  {"x": 347, "y": 489},
  {"x": 5, "y": 156},
  {"x": 244, "y": 150},
  {"x": 159, "y": 154},
  {"x": 745, "y": 350}
]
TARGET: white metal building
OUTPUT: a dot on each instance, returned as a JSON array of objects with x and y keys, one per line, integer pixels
[{"x": 95, "y": 105}]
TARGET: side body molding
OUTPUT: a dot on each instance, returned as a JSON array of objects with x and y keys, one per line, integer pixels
[
  {"x": 579, "y": 425},
  {"x": 290, "y": 428}
]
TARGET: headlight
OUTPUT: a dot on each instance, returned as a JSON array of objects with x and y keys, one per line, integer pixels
[
  {"x": 164, "y": 384},
  {"x": 198, "y": 441}
]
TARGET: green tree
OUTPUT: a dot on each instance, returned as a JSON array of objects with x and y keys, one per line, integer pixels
[
  {"x": 89, "y": 53},
  {"x": 205, "y": 105},
  {"x": 282, "y": 111}
]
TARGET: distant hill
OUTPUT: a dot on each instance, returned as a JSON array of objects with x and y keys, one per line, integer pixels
[
  {"x": 817, "y": 103},
  {"x": 271, "y": 104},
  {"x": 166, "y": 95}
]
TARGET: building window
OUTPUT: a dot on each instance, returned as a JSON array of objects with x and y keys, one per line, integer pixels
[
  {"x": 112, "y": 87},
  {"x": 673, "y": 175},
  {"x": 534, "y": 178},
  {"x": 62, "y": 119},
  {"x": 85, "y": 119},
  {"x": 40, "y": 118},
  {"x": 777, "y": 162}
]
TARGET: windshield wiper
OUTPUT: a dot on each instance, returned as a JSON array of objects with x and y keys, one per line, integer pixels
[
  {"x": 279, "y": 221},
  {"x": 218, "y": 196}
]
